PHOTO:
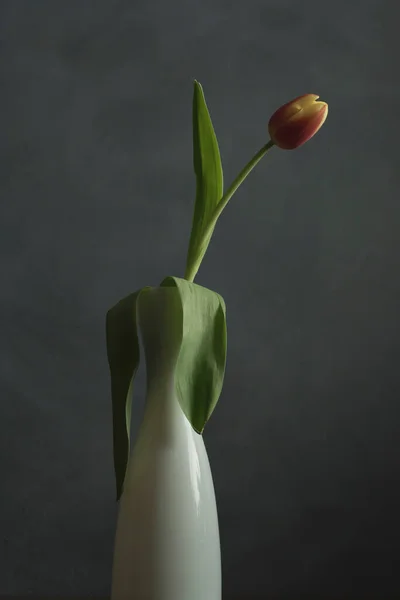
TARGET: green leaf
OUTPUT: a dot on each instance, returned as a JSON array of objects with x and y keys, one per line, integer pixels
[
  {"x": 209, "y": 180},
  {"x": 200, "y": 367},
  {"x": 123, "y": 357}
]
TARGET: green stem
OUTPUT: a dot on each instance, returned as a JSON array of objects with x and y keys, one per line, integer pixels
[{"x": 207, "y": 231}]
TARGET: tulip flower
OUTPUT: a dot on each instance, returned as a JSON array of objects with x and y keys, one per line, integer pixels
[{"x": 296, "y": 122}]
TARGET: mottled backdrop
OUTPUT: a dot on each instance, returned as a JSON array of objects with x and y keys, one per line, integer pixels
[{"x": 97, "y": 192}]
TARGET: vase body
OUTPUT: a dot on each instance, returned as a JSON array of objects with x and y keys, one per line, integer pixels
[{"x": 167, "y": 538}]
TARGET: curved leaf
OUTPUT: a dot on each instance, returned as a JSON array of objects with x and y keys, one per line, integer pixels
[
  {"x": 200, "y": 368},
  {"x": 123, "y": 355}
]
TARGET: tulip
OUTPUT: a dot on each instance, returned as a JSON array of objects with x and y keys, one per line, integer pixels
[
  {"x": 289, "y": 127},
  {"x": 296, "y": 122}
]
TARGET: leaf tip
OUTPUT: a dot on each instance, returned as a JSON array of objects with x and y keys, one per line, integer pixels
[
  {"x": 197, "y": 86},
  {"x": 120, "y": 489}
]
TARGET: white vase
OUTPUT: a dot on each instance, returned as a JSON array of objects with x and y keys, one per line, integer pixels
[{"x": 167, "y": 539}]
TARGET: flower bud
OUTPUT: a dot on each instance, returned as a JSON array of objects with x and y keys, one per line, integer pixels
[{"x": 296, "y": 122}]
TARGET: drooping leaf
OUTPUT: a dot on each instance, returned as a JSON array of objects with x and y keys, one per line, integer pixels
[
  {"x": 123, "y": 355},
  {"x": 200, "y": 367},
  {"x": 209, "y": 179}
]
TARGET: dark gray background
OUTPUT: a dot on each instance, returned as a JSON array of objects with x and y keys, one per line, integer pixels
[{"x": 96, "y": 202}]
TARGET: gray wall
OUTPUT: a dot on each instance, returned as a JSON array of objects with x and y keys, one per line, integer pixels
[{"x": 97, "y": 192}]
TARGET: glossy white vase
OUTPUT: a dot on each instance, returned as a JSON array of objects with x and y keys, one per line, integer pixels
[{"x": 167, "y": 539}]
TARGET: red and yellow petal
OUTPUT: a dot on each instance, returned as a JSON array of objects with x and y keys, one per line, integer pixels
[{"x": 297, "y": 121}]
